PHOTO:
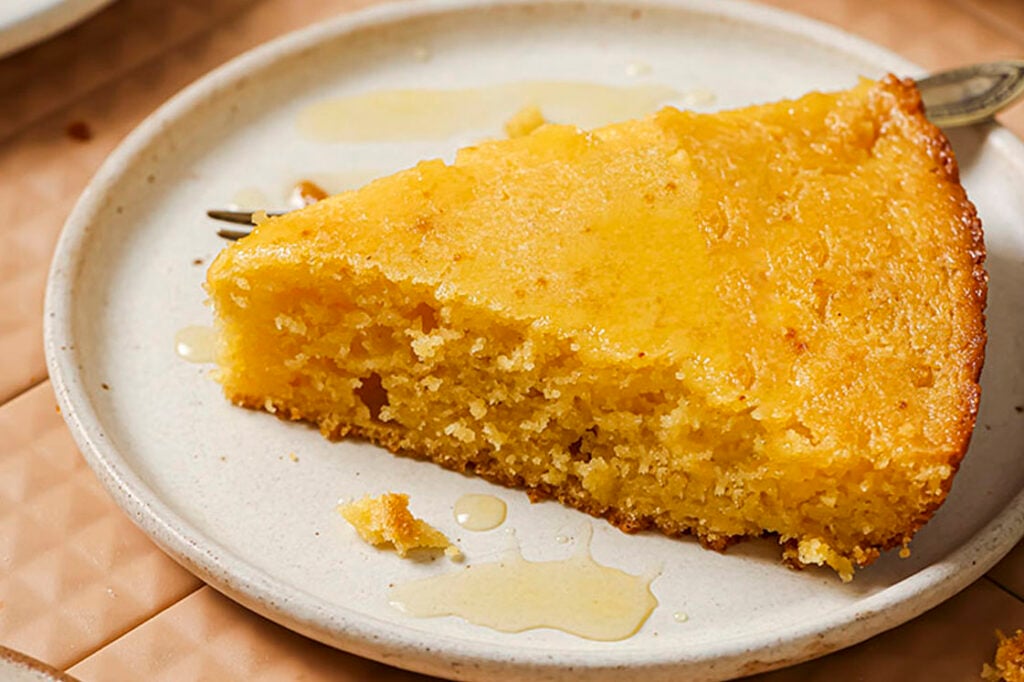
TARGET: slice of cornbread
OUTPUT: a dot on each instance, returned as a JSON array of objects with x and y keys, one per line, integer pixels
[{"x": 759, "y": 321}]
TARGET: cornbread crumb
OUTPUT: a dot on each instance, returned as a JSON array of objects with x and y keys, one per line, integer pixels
[
  {"x": 1009, "y": 663},
  {"x": 524, "y": 122},
  {"x": 386, "y": 520}
]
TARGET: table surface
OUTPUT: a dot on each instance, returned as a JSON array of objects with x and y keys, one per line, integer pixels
[{"x": 85, "y": 591}]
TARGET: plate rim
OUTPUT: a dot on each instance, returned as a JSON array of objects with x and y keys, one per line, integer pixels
[{"x": 373, "y": 637}]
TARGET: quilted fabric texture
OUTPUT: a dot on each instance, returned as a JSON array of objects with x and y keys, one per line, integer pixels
[{"x": 74, "y": 571}]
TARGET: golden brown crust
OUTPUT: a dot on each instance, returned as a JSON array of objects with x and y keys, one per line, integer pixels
[
  {"x": 909, "y": 98},
  {"x": 572, "y": 495}
]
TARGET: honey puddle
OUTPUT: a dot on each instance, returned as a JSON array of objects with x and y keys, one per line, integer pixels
[
  {"x": 575, "y": 595},
  {"x": 479, "y": 512},
  {"x": 403, "y": 115},
  {"x": 196, "y": 344}
]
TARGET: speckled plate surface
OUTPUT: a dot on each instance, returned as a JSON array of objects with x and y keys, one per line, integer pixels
[{"x": 216, "y": 486}]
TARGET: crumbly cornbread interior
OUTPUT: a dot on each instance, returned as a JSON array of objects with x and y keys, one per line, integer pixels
[{"x": 760, "y": 321}]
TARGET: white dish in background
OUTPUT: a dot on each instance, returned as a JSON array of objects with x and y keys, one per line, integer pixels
[
  {"x": 17, "y": 667},
  {"x": 215, "y": 486},
  {"x": 24, "y": 22}
]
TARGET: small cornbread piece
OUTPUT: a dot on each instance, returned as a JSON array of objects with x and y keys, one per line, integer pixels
[
  {"x": 386, "y": 520},
  {"x": 761, "y": 321},
  {"x": 1009, "y": 663}
]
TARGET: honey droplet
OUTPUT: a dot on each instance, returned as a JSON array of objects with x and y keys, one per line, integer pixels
[
  {"x": 479, "y": 512},
  {"x": 196, "y": 344}
]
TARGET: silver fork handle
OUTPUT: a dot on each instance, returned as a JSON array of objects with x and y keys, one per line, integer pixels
[{"x": 971, "y": 94}]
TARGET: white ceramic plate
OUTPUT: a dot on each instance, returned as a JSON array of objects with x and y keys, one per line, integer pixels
[
  {"x": 215, "y": 486},
  {"x": 23, "y": 22}
]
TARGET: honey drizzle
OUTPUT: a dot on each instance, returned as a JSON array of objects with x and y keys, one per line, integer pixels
[
  {"x": 576, "y": 595},
  {"x": 404, "y": 115}
]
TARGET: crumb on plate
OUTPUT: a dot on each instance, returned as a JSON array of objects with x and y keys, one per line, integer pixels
[{"x": 386, "y": 520}]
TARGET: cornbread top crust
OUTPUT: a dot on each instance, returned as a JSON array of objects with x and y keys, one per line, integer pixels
[{"x": 811, "y": 266}]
